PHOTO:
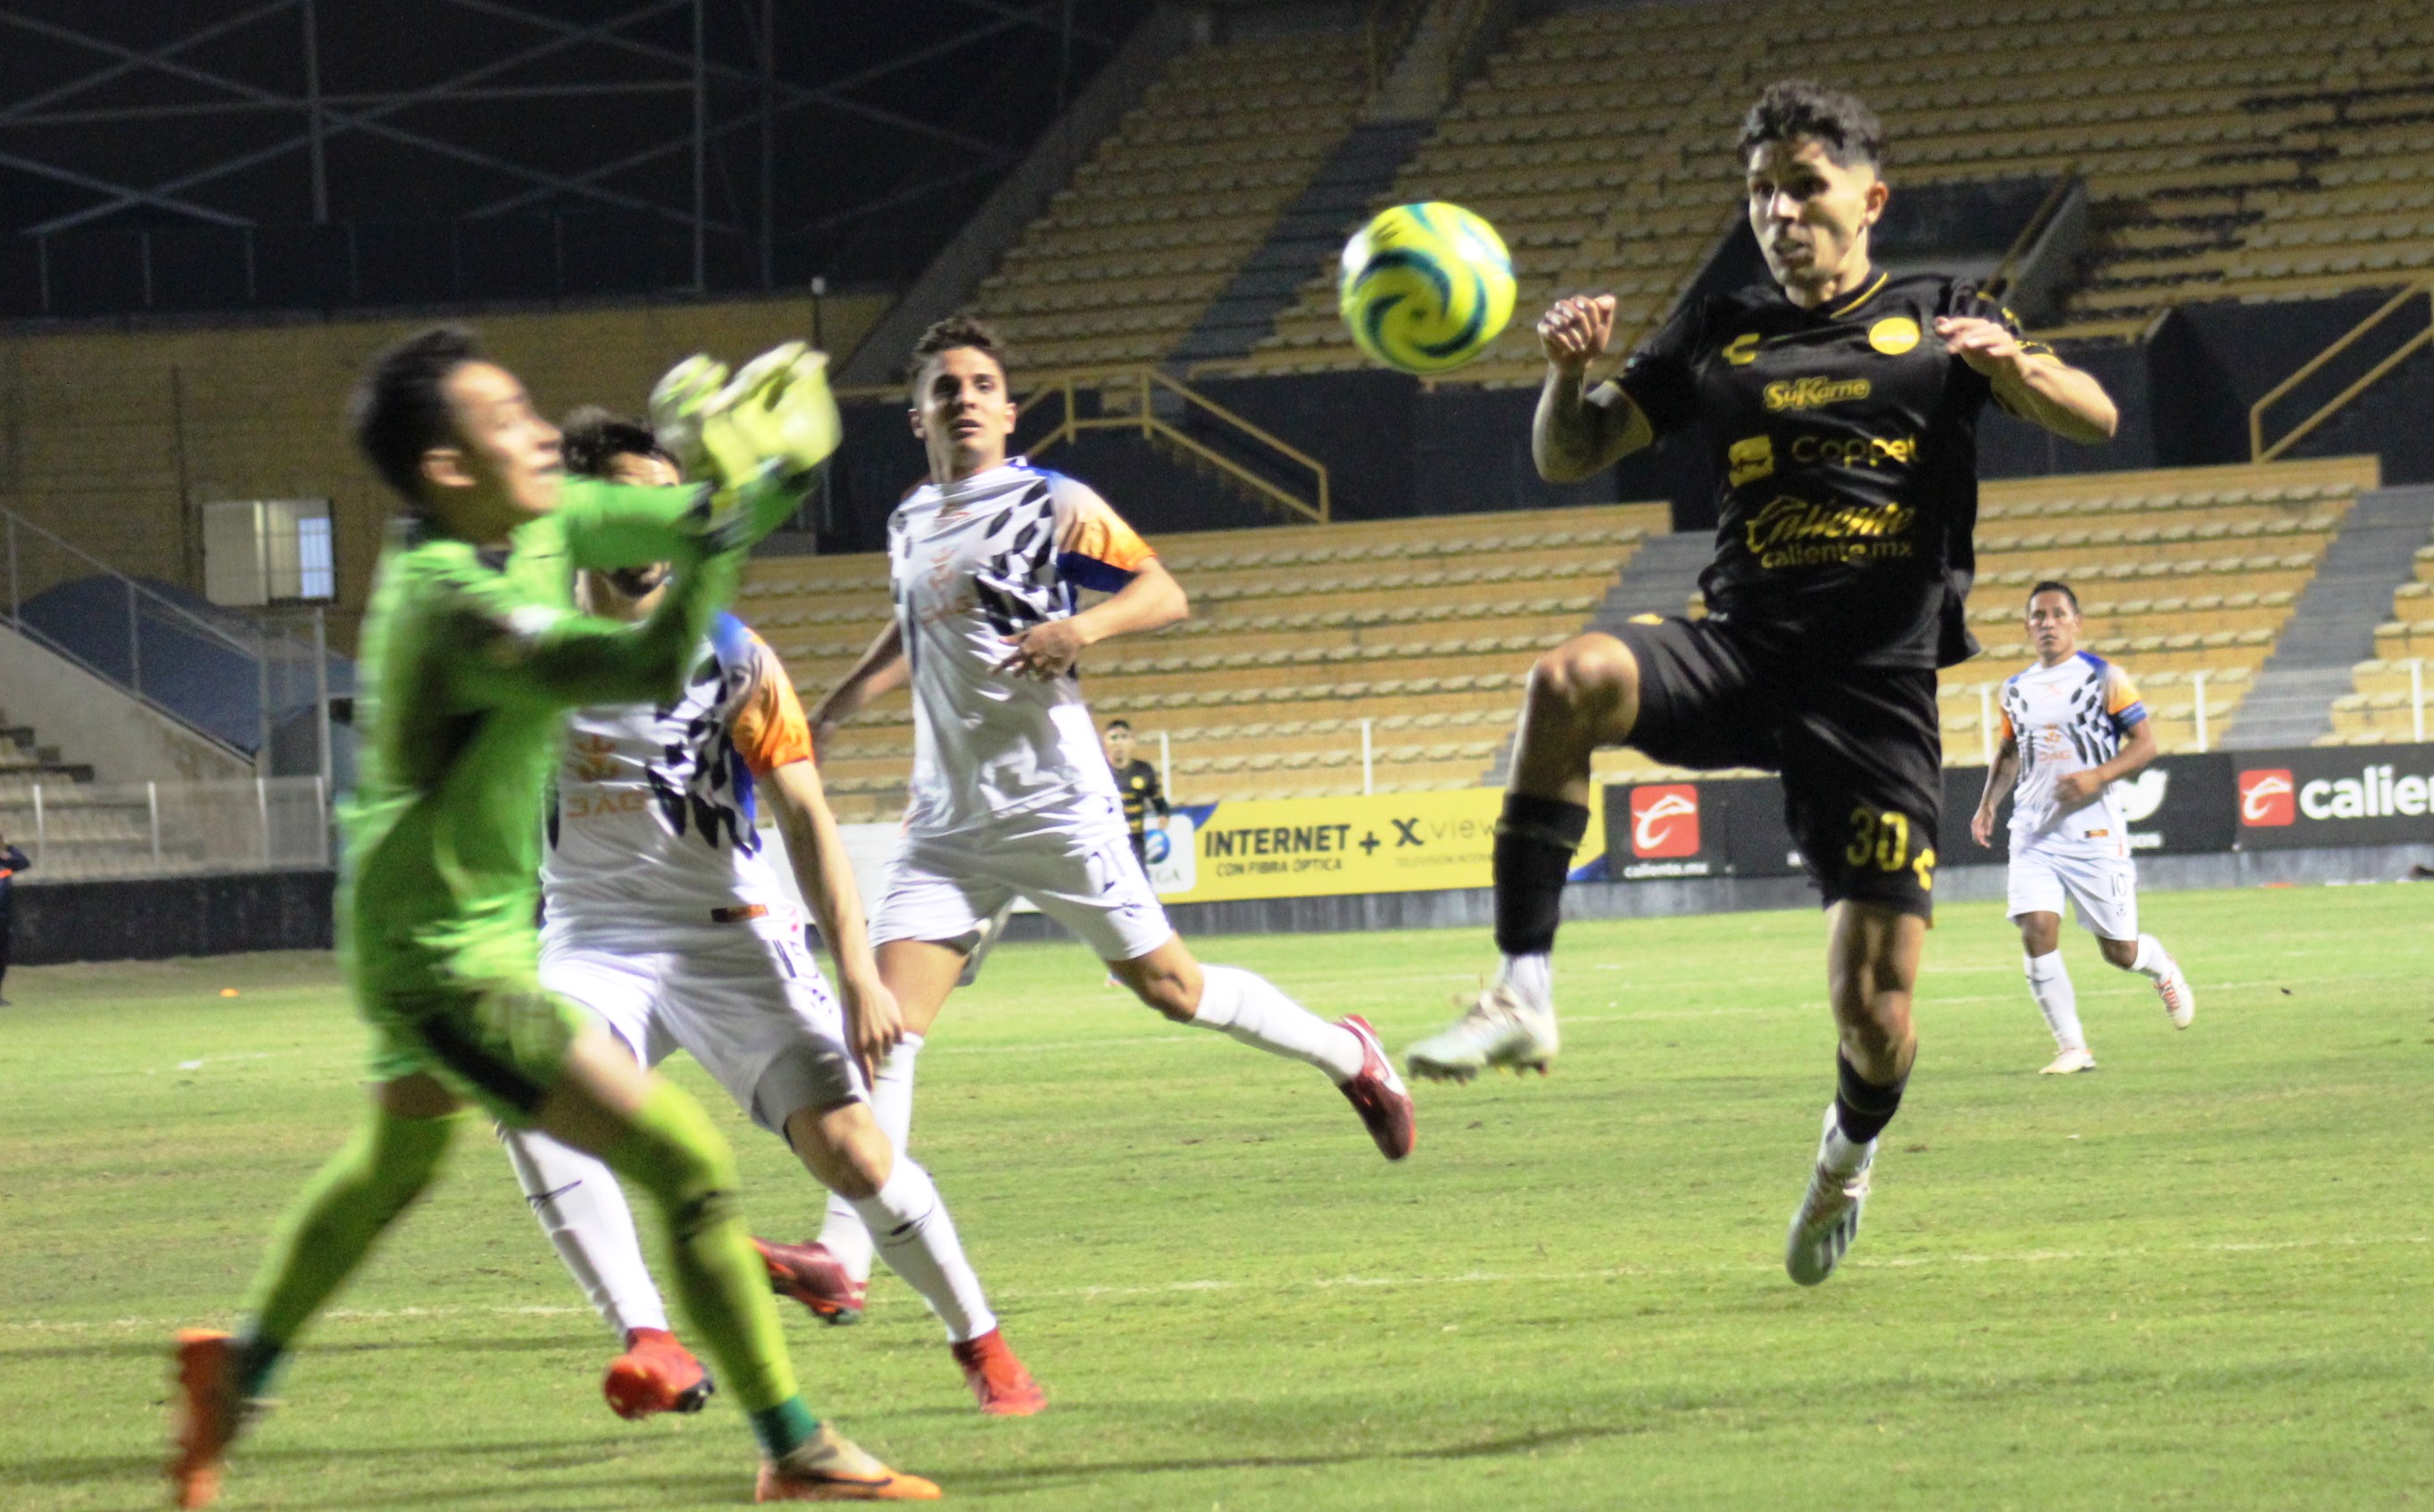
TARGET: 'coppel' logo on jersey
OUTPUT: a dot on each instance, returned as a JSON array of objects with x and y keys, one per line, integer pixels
[
  {"x": 2268, "y": 798},
  {"x": 1664, "y": 820}
]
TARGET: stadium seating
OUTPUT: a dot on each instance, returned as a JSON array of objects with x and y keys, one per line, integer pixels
[
  {"x": 1174, "y": 202},
  {"x": 2232, "y": 148},
  {"x": 1426, "y": 627},
  {"x": 2396, "y": 687}
]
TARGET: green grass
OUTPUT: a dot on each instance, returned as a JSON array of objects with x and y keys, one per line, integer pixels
[{"x": 2200, "y": 1277}]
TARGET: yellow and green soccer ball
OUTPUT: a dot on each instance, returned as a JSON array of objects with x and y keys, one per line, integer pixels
[{"x": 1425, "y": 288}]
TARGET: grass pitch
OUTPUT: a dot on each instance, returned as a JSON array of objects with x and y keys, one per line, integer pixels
[{"x": 2200, "y": 1277}]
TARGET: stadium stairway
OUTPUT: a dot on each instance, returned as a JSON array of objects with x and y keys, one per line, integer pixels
[
  {"x": 1661, "y": 579},
  {"x": 1306, "y": 236},
  {"x": 2334, "y": 625}
]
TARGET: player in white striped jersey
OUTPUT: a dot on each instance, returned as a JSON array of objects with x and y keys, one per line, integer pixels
[
  {"x": 663, "y": 918},
  {"x": 1011, "y": 794},
  {"x": 2072, "y": 727}
]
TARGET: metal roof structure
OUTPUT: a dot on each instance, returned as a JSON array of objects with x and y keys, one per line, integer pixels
[{"x": 169, "y": 155}]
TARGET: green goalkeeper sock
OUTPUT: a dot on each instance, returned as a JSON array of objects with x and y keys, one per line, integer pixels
[
  {"x": 329, "y": 1230},
  {"x": 672, "y": 1151}
]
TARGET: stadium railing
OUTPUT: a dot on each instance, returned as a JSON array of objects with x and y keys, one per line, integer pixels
[{"x": 79, "y": 831}]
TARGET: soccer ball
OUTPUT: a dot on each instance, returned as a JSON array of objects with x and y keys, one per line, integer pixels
[{"x": 1426, "y": 287}]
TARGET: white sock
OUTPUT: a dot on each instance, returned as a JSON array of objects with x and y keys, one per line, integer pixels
[
  {"x": 2050, "y": 984},
  {"x": 1533, "y": 977},
  {"x": 1248, "y": 1007},
  {"x": 2152, "y": 961},
  {"x": 1841, "y": 1153},
  {"x": 919, "y": 1243},
  {"x": 891, "y": 1103},
  {"x": 584, "y": 1212}
]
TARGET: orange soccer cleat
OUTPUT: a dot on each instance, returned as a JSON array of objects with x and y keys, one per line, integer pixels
[
  {"x": 1002, "y": 1386},
  {"x": 814, "y": 1276},
  {"x": 209, "y": 1411},
  {"x": 829, "y": 1466},
  {"x": 656, "y": 1374}
]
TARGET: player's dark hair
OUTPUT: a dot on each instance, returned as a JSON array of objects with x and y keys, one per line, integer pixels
[
  {"x": 1795, "y": 109},
  {"x": 946, "y": 335},
  {"x": 400, "y": 410},
  {"x": 1114, "y": 725},
  {"x": 593, "y": 438},
  {"x": 2049, "y": 586}
]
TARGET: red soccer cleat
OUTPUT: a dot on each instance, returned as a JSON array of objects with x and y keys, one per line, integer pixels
[
  {"x": 816, "y": 1279},
  {"x": 655, "y": 1374},
  {"x": 1378, "y": 1093},
  {"x": 1003, "y": 1387},
  {"x": 209, "y": 1411}
]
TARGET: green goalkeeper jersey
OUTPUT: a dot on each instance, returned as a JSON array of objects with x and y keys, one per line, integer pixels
[{"x": 471, "y": 660}]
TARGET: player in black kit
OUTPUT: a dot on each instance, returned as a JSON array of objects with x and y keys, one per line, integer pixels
[{"x": 1843, "y": 406}]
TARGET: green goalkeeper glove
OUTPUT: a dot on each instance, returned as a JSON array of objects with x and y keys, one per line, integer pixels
[{"x": 777, "y": 413}]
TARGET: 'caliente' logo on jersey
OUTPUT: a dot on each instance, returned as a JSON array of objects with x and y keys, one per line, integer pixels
[
  {"x": 1791, "y": 532},
  {"x": 1814, "y": 393}
]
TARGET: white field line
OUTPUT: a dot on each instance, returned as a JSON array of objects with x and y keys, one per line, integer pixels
[{"x": 1466, "y": 1278}]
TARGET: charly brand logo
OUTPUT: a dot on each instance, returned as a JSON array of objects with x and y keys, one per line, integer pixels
[
  {"x": 2268, "y": 797},
  {"x": 1664, "y": 820},
  {"x": 1791, "y": 532},
  {"x": 1893, "y": 334},
  {"x": 1814, "y": 393},
  {"x": 1742, "y": 349}
]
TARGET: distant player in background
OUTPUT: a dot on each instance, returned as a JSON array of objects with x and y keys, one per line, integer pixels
[
  {"x": 1011, "y": 793},
  {"x": 664, "y": 919},
  {"x": 12, "y": 861},
  {"x": 2072, "y": 728},
  {"x": 1841, "y": 404},
  {"x": 1137, "y": 785}
]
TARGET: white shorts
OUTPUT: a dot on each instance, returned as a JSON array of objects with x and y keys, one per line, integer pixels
[
  {"x": 1081, "y": 873},
  {"x": 746, "y": 1000},
  {"x": 2104, "y": 887}
]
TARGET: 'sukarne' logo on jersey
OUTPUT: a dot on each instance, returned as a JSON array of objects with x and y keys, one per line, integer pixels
[{"x": 1815, "y": 393}]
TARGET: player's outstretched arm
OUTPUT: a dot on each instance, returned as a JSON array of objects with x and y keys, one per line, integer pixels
[
  {"x": 1579, "y": 430},
  {"x": 2036, "y": 386},
  {"x": 823, "y": 871},
  {"x": 1151, "y": 601},
  {"x": 1998, "y": 781},
  {"x": 882, "y": 670},
  {"x": 522, "y": 651}
]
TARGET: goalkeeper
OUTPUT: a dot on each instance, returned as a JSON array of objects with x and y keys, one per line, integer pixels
[{"x": 472, "y": 653}]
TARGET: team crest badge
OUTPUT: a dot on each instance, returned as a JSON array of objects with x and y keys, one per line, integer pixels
[{"x": 1893, "y": 334}]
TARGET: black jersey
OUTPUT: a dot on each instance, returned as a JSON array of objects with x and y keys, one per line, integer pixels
[
  {"x": 1846, "y": 440},
  {"x": 1136, "y": 781}
]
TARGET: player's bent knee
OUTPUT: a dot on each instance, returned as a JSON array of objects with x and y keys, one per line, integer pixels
[
  {"x": 1585, "y": 672},
  {"x": 2120, "y": 953},
  {"x": 844, "y": 1148}
]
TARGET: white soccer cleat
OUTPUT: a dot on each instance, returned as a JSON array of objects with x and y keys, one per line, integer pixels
[
  {"x": 2071, "y": 1062},
  {"x": 2180, "y": 1002},
  {"x": 1828, "y": 1218},
  {"x": 1498, "y": 1029}
]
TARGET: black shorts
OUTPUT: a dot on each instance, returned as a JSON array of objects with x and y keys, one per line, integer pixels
[{"x": 1860, "y": 750}]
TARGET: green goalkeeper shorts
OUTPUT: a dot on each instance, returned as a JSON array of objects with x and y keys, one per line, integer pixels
[{"x": 503, "y": 1047}]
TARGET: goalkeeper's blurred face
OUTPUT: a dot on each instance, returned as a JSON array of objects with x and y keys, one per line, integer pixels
[
  {"x": 963, "y": 413},
  {"x": 504, "y": 468}
]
